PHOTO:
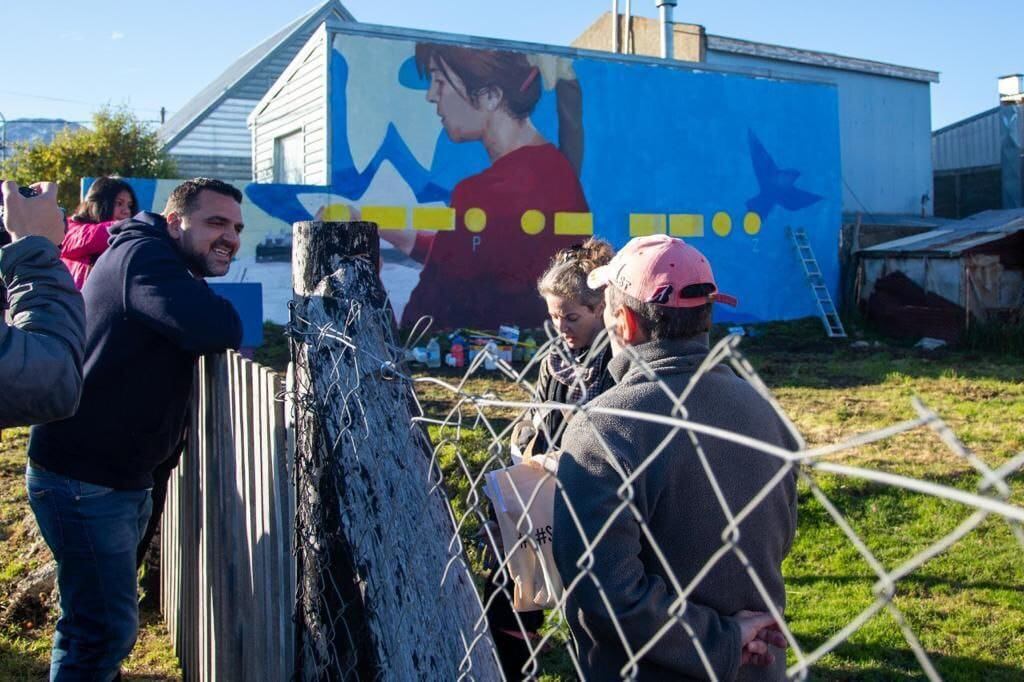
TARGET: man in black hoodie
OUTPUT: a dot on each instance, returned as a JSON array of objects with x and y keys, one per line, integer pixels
[{"x": 149, "y": 316}]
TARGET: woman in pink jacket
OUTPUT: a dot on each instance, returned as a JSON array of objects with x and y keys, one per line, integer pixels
[{"x": 108, "y": 201}]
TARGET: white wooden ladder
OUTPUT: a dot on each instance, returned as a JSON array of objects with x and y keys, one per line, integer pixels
[{"x": 826, "y": 308}]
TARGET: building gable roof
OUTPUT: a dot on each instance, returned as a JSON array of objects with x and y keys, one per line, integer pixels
[{"x": 291, "y": 37}]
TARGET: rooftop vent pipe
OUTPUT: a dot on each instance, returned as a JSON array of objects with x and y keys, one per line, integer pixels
[
  {"x": 615, "y": 26},
  {"x": 665, "y": 8},
  {"x": 629, "y": 26}
]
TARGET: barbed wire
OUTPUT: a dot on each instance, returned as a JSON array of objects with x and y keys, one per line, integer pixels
[{"x": 470, "y": 444}]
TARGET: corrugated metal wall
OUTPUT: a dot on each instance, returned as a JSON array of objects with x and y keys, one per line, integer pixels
[
  {"x": 971, "y": 143},
  {"x": 979, "y": 163},
  {"x": 885, "y": 132},
  {"x": 227, "y": 572},
  {"x": 300, "y": 104}
]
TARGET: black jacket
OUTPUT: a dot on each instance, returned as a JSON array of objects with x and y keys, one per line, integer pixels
[{"x": 148, "y": 319}]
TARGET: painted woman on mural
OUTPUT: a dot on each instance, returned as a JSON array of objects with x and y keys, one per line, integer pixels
[{"x": 483, "y": 272}]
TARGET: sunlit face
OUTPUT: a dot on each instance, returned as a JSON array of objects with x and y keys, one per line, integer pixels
[
  {"x": 210, "y": 236},
  {"x": 122, "y": 206},
  {"x": 461, "y": 118},
  {"x": 577, "y": 324}
]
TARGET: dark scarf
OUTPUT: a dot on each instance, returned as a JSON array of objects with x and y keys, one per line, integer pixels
[
  {"x": 579, "y": 373},
  {"x": 573, "y": 379}
]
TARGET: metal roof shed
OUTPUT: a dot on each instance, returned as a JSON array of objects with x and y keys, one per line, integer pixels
[{"x": 976, "y": 265}]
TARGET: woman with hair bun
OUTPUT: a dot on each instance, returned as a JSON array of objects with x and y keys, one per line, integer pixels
[
  {"x": 573, "y": 372},
  {"x": 482, "y": 273},
  {"x": 108, "y": 201}
]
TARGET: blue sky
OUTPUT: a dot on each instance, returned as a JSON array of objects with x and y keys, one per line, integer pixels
[{"x": 64, "y": 58}]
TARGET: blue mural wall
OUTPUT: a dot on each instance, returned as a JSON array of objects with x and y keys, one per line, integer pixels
[{"x": 478, "y": 165}]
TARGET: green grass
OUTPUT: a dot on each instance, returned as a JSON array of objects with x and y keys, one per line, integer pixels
[
  {"x": 25, "y": 643},
  {"x": 966, "y": 606}
]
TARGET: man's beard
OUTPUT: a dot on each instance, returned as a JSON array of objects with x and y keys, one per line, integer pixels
[{"x": 198, "y": 263}]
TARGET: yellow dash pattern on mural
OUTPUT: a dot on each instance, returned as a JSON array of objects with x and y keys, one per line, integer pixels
[
  {"x": 644, "y": 224},
  {"x": 721, "y": 224},
  {"x": 433, "y": 218},
  {"x": 532, "y": 222},
  {"x": 386, "y": 217},
  {"x": 574, "y": 223},
  {"x": 336, "y": 213},
  {"x": 751, "y": 223},
  {"x": 475, "y": 219},
  {"x": 686, "y": 225}
]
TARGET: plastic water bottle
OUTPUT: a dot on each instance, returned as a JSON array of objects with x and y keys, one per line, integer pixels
[
  {"x": 530, "y": 349},
  {"x": 433, "y": 353},
  {"x": 459, "y": 354},
  {"x": 491, "y": 360}
]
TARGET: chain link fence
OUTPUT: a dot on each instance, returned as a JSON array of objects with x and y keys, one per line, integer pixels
[{"x": 401, "y": 479}]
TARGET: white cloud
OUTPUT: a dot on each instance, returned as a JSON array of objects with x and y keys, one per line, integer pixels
[{"x": 116, "y": 35}]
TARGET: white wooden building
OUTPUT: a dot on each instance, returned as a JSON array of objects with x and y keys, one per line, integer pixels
[
  {"x": 208, "y": 135},
  {"x": 290, "y": 143}
]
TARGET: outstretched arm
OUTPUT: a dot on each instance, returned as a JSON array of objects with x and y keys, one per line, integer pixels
[
  {"x": 41, "y": 351},
  {"x": 412, "y": 243},
  {"x": 162, "y": 293}
]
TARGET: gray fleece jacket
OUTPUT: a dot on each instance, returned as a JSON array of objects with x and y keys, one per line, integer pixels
[
  {"x": 41, "y": 349},
  {"x": 681, "y": 510}
]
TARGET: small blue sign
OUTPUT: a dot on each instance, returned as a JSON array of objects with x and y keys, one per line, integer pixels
[{"x": 247, "y": 297}]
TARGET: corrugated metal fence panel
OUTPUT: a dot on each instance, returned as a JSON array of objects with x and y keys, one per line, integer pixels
[
  {"x": 227, "y": 573},
  {"x": 972, "y": 143}
]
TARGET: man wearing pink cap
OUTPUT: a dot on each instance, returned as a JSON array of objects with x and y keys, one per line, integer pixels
[{"x": 659, "y": 294}]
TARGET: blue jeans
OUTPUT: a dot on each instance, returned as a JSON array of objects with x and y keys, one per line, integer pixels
[{"x": 93, "y": 532}]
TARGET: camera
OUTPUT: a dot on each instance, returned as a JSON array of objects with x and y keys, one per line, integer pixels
[{"x": 5, "y": 236}]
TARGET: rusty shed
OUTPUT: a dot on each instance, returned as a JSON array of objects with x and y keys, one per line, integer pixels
[{"x": 940, "y": 282}]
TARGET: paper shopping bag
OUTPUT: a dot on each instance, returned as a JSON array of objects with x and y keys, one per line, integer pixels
[{"x": 524, "y": 496}]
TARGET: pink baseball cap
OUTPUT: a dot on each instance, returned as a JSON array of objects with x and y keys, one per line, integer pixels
[{"x": 656, "y": 269}]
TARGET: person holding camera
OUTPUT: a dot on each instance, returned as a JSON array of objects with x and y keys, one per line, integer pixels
[{"x": 42, "y": 345}]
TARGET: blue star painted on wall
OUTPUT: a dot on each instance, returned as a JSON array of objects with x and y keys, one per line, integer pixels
[{"x": 776, "y": 184}]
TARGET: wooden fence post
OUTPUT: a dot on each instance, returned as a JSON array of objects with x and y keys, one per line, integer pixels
[
  {"x": 383, "y": 591},
  {"x": 226, "y": 571}
]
